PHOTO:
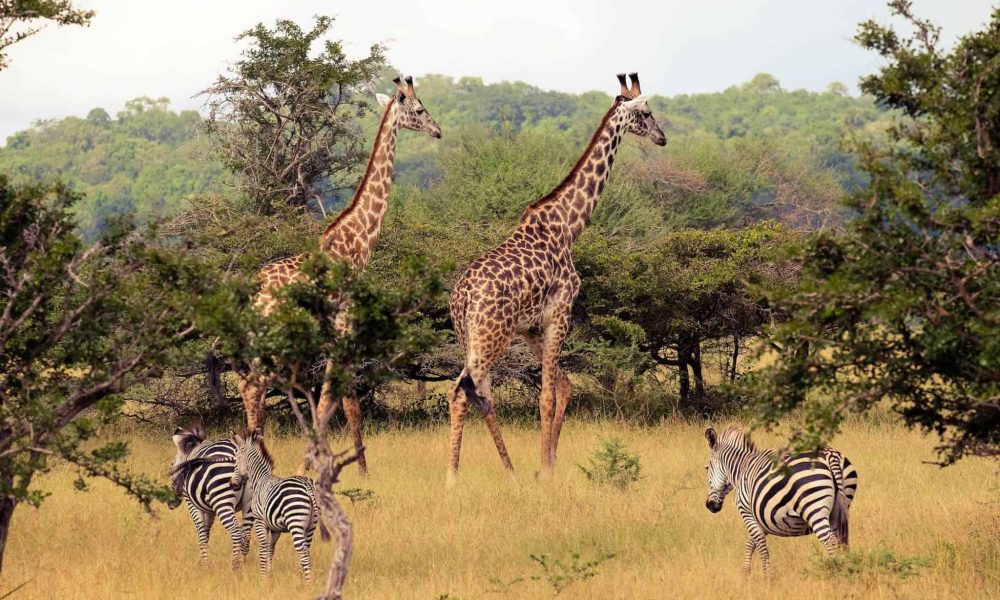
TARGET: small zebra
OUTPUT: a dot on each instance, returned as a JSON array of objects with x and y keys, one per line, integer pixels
[
  {"x": 277, "y": 505},
  {"x": 201, "y": 475},
  {"x": 806, "y": 493}
]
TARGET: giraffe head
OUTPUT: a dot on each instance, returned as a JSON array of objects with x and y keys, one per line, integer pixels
[
  {"x": 411, "y": 112},
  {"x": 638, "y": 116}
]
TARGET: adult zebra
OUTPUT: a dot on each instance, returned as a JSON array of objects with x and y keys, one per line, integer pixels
[
  {"x": 201, "y": 475},
  {"x": 807, "y": 492},
  {"x": 278, "y": 505}
]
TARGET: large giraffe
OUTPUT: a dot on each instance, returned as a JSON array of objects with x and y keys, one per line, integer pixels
[
  {"x": 527, "y": 285},
  {"x": 349, "y": 237}
]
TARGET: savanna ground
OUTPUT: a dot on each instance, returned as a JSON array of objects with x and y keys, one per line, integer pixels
[{"x": 934, "y": 533}]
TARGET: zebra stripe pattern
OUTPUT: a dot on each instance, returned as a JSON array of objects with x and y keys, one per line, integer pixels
[
  {"x": 807, "y": 493},
  {"x": 201, "y": 475},
  {"x": 278, "y": 505}
]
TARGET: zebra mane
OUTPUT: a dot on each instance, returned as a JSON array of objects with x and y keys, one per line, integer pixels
[
  {"x": 734, "y": 435},
  {"x": 257, "y": 438}
]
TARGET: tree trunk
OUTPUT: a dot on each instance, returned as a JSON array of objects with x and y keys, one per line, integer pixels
[
  {"x": 421, "y": 390},
  {"x": 7, "y": 505},
  {"x": 335, "y": 520},
  {"x": 736, "y": 358},
  {"x": 685, "y": 381},
  {"x": 699, "y": 380}
]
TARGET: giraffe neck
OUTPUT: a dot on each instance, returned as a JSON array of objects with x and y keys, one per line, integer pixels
[
  {"x": 573, "y": 200},
  {"x": 355, "y": 230}
]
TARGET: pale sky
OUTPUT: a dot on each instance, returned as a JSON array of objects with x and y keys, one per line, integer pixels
[{"x": 140, "y": 47}]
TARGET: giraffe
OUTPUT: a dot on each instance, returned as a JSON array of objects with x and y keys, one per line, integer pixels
[
  {"x": 526, "y": 286},
  {"x": 349, "y": 237}
]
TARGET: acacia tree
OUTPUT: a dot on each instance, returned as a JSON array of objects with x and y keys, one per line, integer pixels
[
  {"x": 905, "y": 306},
  {"x": 78, "y": 325},
  {"x": 21, "y": 19},
  {"x": 680, "y": 292},
  {"x": 285, "y": 120}
]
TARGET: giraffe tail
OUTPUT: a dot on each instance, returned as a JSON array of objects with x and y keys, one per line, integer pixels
[{"x": 469, "y": 388}]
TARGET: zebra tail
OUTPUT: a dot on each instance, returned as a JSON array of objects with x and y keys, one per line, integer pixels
[{"x": 839, "y": 516}]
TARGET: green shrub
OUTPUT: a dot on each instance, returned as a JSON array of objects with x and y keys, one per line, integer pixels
[{"x": 613, "y": 465}]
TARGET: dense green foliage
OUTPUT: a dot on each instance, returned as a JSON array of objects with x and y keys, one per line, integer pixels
[
  {"x": 79, "y": 324},
  {"x": 905, "y": 306},
  {"x": 786, "y": 162},
  {"x": 284, "y": 118},
  {"x": 145, "y": 162}
]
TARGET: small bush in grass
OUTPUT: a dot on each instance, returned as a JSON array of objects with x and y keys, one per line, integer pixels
[
  {"x": 882, "y": 561},
  {"x": 613, "y": 465},
  {"x": 558, "y": 571}
]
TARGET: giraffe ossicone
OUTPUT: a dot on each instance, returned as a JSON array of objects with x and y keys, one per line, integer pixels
[{"x": 526, "y": 286}]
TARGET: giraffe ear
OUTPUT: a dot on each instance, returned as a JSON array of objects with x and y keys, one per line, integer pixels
[{"x": 383, "y": 100}]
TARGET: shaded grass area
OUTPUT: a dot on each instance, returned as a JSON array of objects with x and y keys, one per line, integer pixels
[{"x": 917, "y": 530}]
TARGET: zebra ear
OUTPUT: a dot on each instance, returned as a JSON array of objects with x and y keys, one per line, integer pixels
[
  {"x": 236, "y": 438},
  {"x": 257, "y": 435},
  {"x": 711, "y": 437}
]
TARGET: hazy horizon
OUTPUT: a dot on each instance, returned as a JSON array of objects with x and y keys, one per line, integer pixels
[{"x": 684, "y": 48}]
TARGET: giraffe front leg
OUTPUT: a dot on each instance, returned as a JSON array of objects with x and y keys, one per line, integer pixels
[
  {"x": 564, "y": 392},
  {"x": 556, "y": 327}
]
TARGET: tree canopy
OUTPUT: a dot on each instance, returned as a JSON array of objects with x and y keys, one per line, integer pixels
[{"x": 904, "y": 307}]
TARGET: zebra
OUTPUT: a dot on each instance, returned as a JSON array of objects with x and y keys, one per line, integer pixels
[
  {"x": 277, "y": 505},
  {"x": 808, "y": 492},
  {"x": 201, "y": 475}
]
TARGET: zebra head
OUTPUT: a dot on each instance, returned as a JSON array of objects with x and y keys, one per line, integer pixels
[
  {"x": 186, "y": 439},
  {"x": 252, "y": 458},
  {"x": 719, "y": 484}
]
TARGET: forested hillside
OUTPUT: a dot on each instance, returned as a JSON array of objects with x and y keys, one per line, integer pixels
[{"x": 746, "y": 153}]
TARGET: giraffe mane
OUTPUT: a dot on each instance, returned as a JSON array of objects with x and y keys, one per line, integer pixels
[
  {"x": 579, "y": 163},
  {"x": 368, "y": 169}
]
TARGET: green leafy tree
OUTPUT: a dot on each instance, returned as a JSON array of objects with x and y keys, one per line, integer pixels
[
  {"x": 679, "y": 293},
  {"x": 905, "y": 307},
  {"x": 78, "y": 325},
  {"x": 284, "y": 118},
  {"x": 21, "y": 19}
]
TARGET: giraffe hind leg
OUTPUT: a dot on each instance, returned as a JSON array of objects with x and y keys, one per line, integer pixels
[{"x": 484, "y": 403}]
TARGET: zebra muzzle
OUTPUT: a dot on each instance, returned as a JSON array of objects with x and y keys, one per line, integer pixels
[{"x": 713, "y": 505}]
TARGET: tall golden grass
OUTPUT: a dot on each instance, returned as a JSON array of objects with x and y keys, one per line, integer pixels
[{"x": 417, "y": 539}]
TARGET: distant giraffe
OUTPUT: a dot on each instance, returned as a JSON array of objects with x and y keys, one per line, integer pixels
[
  {"x": 349, "y": 237},
  {"x": 527, "y": 285}
]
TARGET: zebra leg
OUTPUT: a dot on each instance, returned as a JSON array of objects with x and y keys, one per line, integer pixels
[
  {"x": 228, "y": 518},
  {"x": 301, "y": 540},
  {"x": 820, "y": 525},
  {"x": 245, "y": 528},
  {"x": 264, "y": 547},
  {"x": 765, "y": 556},
  {"x": 203, "y": 525},
  {"x": 748, "y": 555}
]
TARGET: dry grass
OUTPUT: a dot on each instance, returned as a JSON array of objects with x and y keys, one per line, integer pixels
[{"x": 417, "y": 540}]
